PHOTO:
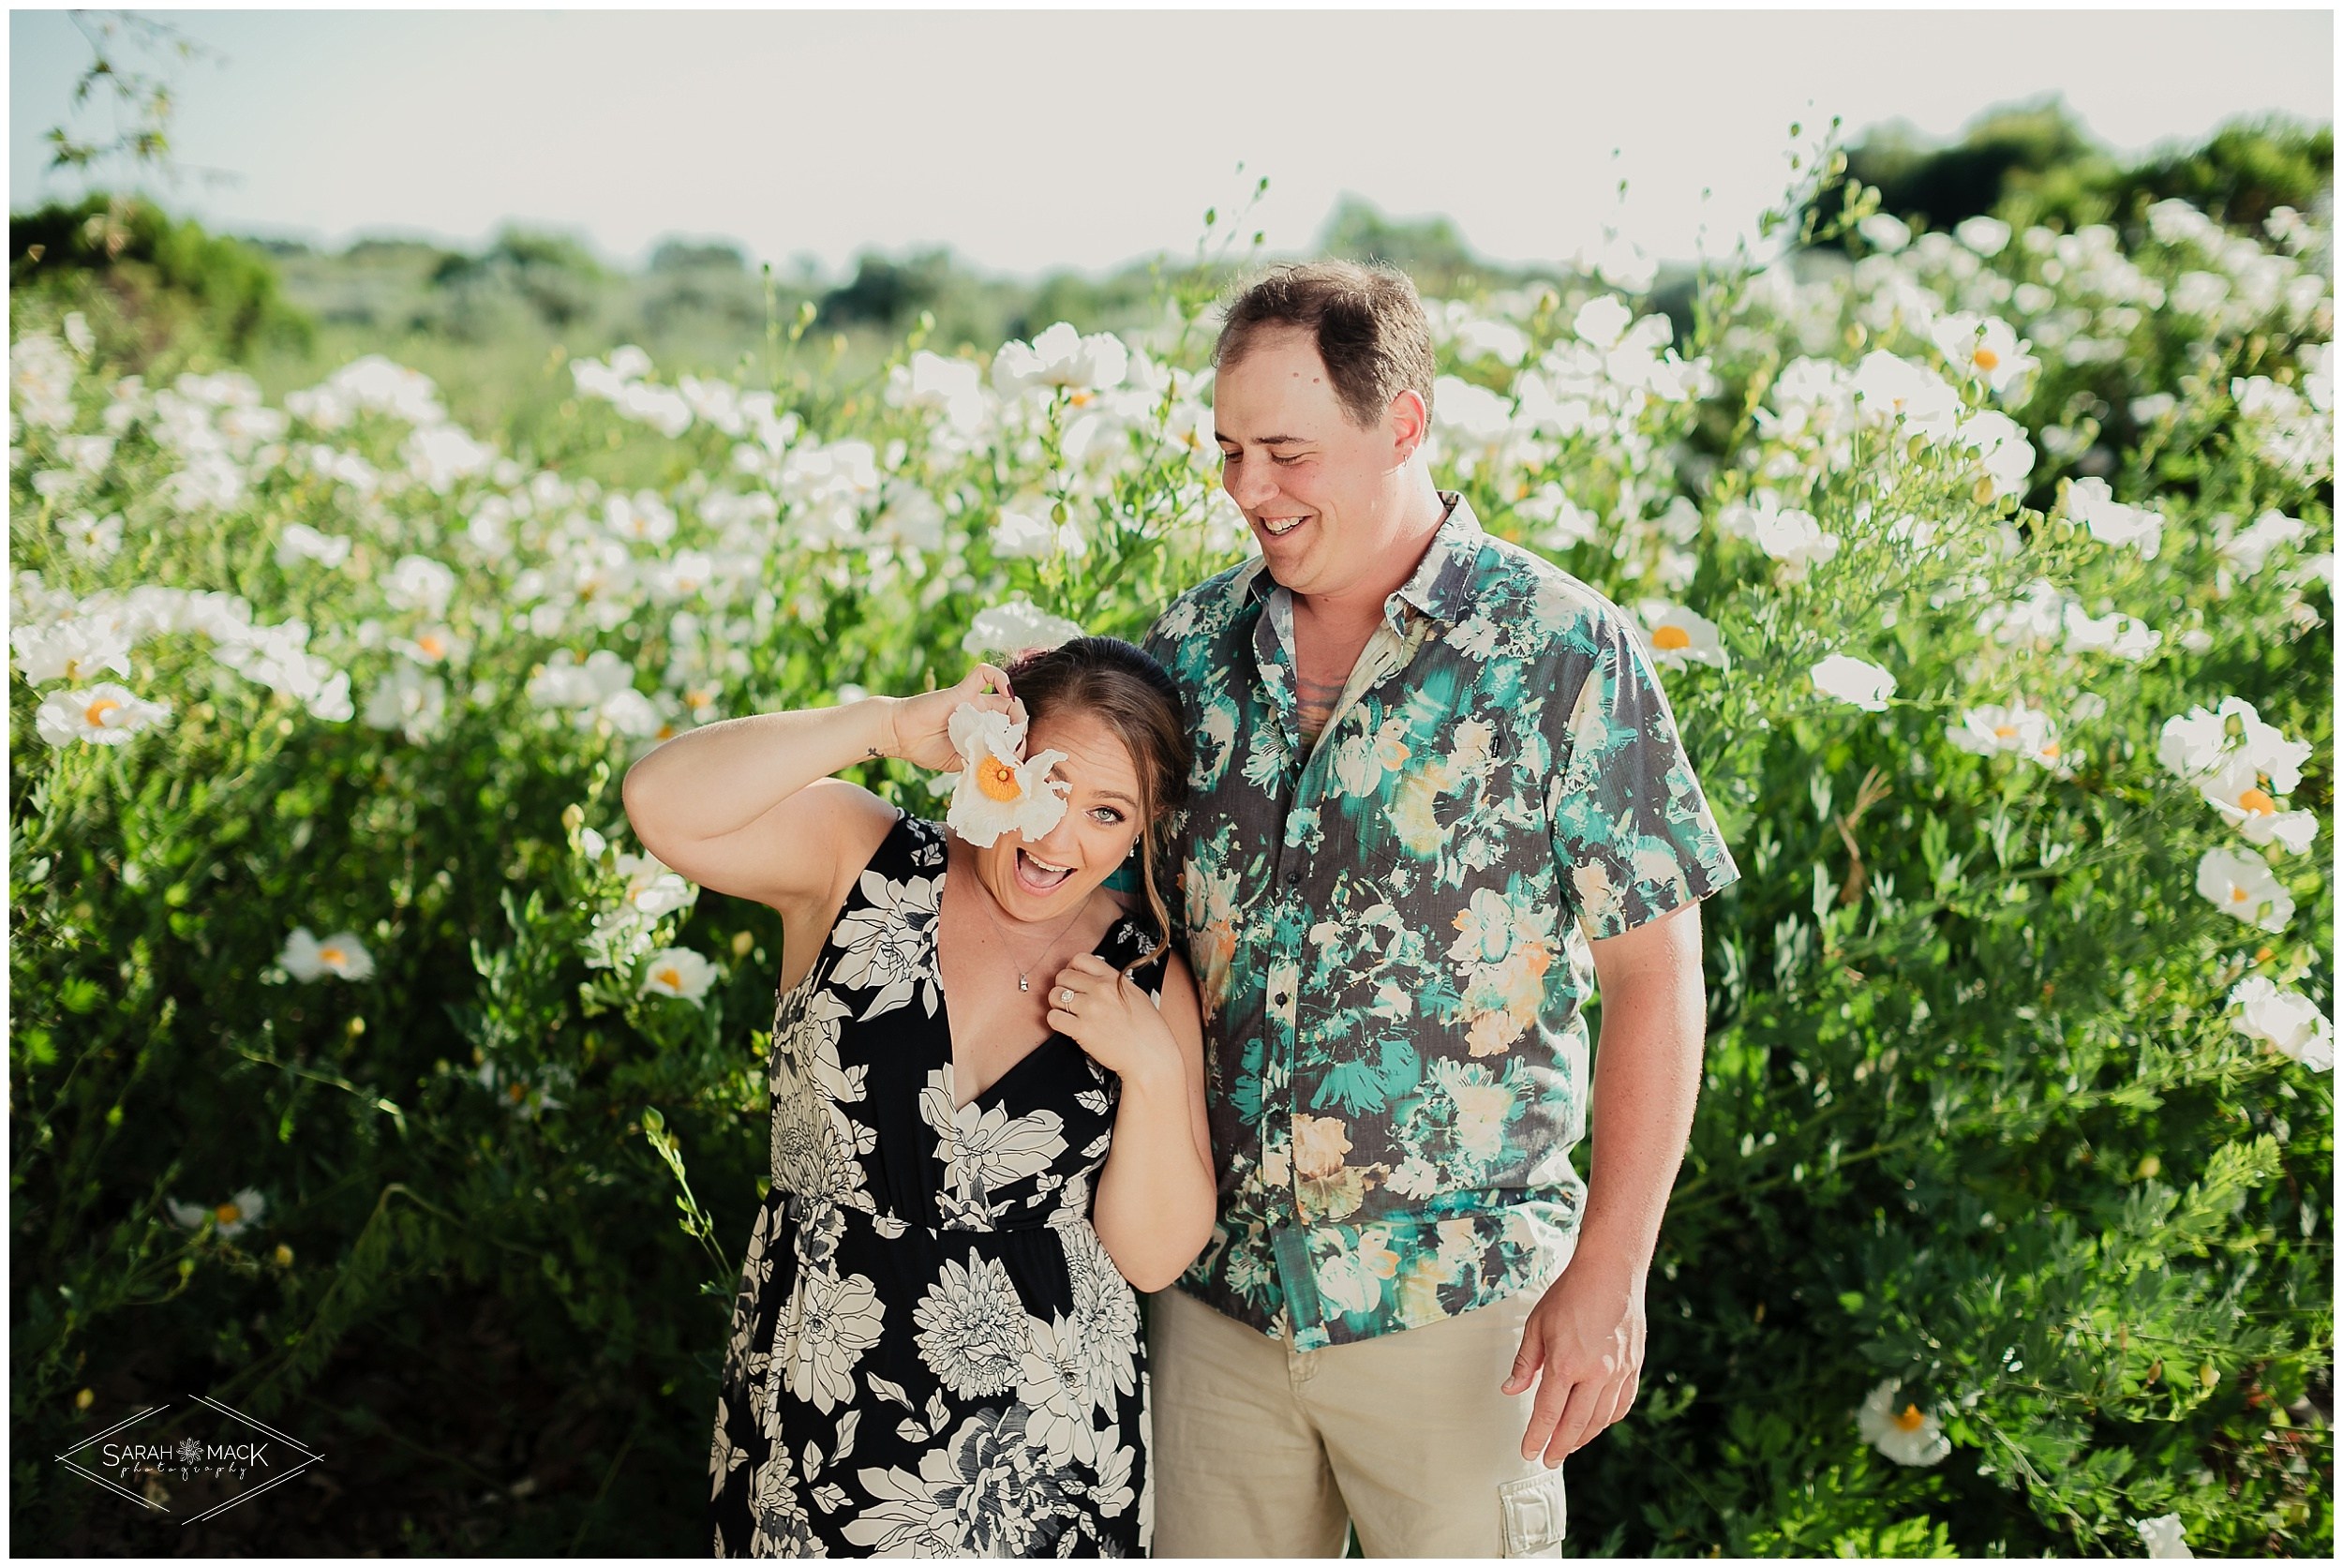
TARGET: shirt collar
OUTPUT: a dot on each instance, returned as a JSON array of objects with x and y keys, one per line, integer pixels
[{"x": 1441, "y": 586}]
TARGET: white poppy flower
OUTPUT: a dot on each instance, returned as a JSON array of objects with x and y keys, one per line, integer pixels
[
  {"x": 2017, "y": 728},
  {"x": 1562, "y": 522},
  {"x": 1794, "y": 538},
  {"x": 1062, "y": 356},
  {"x": 1987, "y": 348},
  {"x": 72, "y": 649},
  {"x": 2124, "y": 636},
  {"x": 408, "y": 701},
  {"x": 651, "y": 887},
  {"x": 1909, "y": 1435},
  {"x": 1891, "y": 388},
  {"x": 2286, "y": 1019},
  {"x": 677, "y": 971},
  {"x": 1029, "y": 532},
  {"x": 418, "y": 583},
  {"x": 1884, "y": 231},
  {"x": 300, "y": 542},
  {"x": 1987, "y": 236},
  {"x": 1602, "y": 319},
  {"x": 1473, "y": 416},
  {"x": 2162, "y": 1535},
  {"x": 1015, "y": 626},
  {"x": 2235, "y": 790},
  {"x": 107, "y": 714},
  {"x": 1674, "y": 635},
  {"x": 2090, "y": 502},
  {"x": 231, "y": 1218},
  {"x": 2002, "y": 450},
  {"x": 2201, "y": 740},
  {"x": 440, "y": 455},
  {"x": 2240, "y": 884},
  {"x": 1496, "y": 339},
  {"x": 997, "y": 791},
  {"x": 1867, "y": 686},
  {"x": 952, "y": 387},
  {"x": 431, "y": 645},
  {"x": 307, "y": 958},
  {"x": 2247, "y": 551}
]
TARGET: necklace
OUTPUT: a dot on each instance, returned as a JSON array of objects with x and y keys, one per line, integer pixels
[{"x": 984, "y": 902}]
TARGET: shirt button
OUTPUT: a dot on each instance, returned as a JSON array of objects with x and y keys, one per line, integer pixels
[
  {"x": 1280, "y": 998},
  {"x": 1294, "y": 877}
]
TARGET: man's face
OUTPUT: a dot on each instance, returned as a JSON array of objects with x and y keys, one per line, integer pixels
[{"x": 1323, "y": 495}]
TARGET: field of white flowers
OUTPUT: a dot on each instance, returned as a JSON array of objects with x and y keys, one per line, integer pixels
[{"x": 1992, "y": 574}]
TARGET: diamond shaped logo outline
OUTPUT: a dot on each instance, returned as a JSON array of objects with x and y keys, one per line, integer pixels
[{"x": 309, "y": 1457}]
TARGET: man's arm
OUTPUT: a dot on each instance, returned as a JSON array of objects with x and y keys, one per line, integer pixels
[{"x": 1584, "y": 1343}]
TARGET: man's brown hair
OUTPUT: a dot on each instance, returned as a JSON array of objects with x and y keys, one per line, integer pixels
[{"x": 1369, "y": 326}]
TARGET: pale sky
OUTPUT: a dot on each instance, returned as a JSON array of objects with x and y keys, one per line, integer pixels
[{"x": 1029, "y": 140}]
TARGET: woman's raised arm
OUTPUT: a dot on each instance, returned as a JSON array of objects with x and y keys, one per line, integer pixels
[{"x": 728, "y": 805}]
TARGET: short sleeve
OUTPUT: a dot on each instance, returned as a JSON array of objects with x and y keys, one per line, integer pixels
[{"x": 1634, "y": 838}]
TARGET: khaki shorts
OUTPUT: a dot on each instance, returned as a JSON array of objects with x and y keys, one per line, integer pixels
[{"x": 1263, "y": 1451}]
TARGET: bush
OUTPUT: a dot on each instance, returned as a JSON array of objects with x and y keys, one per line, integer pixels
[
  {"x": 128, "y": 263},
  {"x": 2004, "y": 1135}
]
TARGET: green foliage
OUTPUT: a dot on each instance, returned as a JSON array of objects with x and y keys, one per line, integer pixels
[
  {"x": 2038, "y": 165},
  {"x": 156, "y": 285},
  {"x": 1977, "y": 1119},
  {"x": 1427, "y": 249}
]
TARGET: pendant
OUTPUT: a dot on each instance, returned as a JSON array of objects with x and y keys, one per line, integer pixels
[{"x": 1021, "y": 985}]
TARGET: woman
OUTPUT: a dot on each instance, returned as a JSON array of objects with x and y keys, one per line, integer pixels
[{"x": 987, "y": 1083}]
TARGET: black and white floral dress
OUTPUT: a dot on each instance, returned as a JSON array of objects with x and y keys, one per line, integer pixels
[{"x": 932, "y": 1352}]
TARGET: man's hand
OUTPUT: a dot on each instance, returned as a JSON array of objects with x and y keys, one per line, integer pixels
[{"x": 1583, "y": 1347}]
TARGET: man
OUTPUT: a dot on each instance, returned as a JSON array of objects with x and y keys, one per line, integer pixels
[{"x": 1438, "y": 794}]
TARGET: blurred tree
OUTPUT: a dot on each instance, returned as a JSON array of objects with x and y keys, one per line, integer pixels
[
  {"x": 698, "y": 256},
  {"x": 888, "y": 294},
  {"x": 2037, "y": 163},
  {"x": 2245, "y": 172},
  {"x": 1935, "y": 187},
  {"x": 553, "y": 275},
  {"x": 128, "y": 263},
  {"x": 1428, "y": 249}
]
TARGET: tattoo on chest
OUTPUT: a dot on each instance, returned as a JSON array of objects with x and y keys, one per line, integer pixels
[{"x": 1316, "y": 697}]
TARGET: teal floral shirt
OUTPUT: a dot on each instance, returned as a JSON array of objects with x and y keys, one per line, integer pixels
[{"x": 1388, "y": 928}]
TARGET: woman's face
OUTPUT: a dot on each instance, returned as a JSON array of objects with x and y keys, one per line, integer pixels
[{"x": 1046, "y": 878}]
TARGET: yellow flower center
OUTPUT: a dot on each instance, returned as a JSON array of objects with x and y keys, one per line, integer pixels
[
  {"x": 517, "y": 1093},
  {"x": 2256, "y": 801},
  {"x": 432, "y": 644},
  {"x": 2237, "y": 895},
  {"x": 1986, "y": 359},
  {"x": 670, "y": 975},
  {"x": 2050, "y": 749},
  {"x": 95, "y": 714},
  {"x": 2004, "y": 732},
  {"x": 2261, "y": 955},
  {"x": 1671, "y": 636},
  {"x": 997, "y": 779},
  {"x": 227, "y": 1213},
  {"x": 332, "y": 955},
  {"x": 1909, "y": 1419}
]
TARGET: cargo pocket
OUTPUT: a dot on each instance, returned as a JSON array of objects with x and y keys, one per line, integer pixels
[{"x": 1535, "y": 1515}]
